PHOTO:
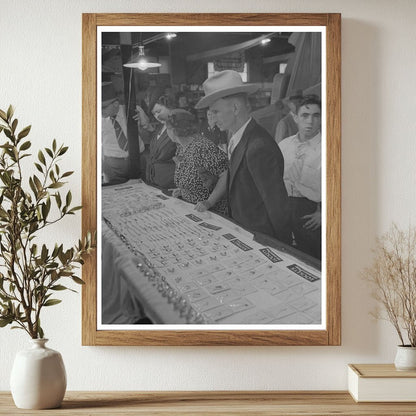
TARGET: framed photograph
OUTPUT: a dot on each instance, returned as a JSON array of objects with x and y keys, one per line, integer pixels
[{"x": 211, "y": 172}]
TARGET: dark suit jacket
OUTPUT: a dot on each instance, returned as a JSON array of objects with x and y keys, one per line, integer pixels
[
  {"x": 256, "y": 192},
  {"x": 161, "y": 167}
]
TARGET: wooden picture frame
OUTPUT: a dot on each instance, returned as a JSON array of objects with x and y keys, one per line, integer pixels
[{"x": 331, "y": 335}]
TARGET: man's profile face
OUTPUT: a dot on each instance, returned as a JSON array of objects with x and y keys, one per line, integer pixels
[
  {"x": 110, "y": 109},
  {"x": 308, "y": 120},
  {"x": 223, "y": 114}
]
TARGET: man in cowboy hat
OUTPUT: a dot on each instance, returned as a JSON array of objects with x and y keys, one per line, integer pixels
[{"x": 257, "y": 195}]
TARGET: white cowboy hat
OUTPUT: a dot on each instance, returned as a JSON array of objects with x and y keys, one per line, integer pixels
[{"x": 221, "y": 85}]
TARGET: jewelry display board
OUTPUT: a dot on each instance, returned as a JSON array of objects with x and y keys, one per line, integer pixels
[{"x": 209, "y": 270}]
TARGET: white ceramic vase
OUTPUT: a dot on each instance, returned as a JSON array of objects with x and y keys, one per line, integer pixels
[
  {"x": 405, "y": 358},
  {"x": 38, "y": 377}
]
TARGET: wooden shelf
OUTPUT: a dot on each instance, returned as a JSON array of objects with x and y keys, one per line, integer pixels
[{"x": 308, "y": 403}]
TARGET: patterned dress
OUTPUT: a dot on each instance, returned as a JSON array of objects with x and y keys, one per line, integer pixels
[{"x": 200, "y": 157}]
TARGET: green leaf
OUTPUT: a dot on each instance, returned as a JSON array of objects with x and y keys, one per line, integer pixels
[
  {"x": 67, "y": 174},
  {"x": 3, "y": 115},
  {"x": 37, "y": 183},
  {"x": 33, "y": 187},
  {"x": 4, "y": 298},
  {"x": 39, "y": 167},
  {"x": 62, "y": 257},
  {"x": 51, "y": 302},
  {"x": 59, "y": 287},
  {"x": 25, "y": 145},
  {"x": 63, "y": 150},
  {"x": 68, "y": 199},
  {"x": 5, "y": 321},
  {"x": 58, "y": 199},
  {"x": 10, "y": 112},
  {"x": 54, "y": 145},
  {"x": 14, "y": 125},
  {"x": 44, "y": 253},
  {"x": 41, "y": 157},
  {"x": 40, "y": 332},
  {"x": 8, "y": 133},
  {"x": 55, "y": 251},
  {"x": 56, "y": 185},
  {"x": 25, "y": 155},
  {"x": 24, "y": 132},
  {"x": 78, "y": 280},
  {"x": 45, "y": 211},
  {"x": 49, "y": 151},
  {"x": 77, "y": 208}
]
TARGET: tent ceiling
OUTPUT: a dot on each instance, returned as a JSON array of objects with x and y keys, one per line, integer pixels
[{"x": 190, "y": 43}]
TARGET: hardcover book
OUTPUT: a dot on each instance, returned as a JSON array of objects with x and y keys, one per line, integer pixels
[{"x": 381, "y": 383}]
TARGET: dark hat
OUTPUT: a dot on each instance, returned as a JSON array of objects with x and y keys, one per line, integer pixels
[{"x": 108, "y": 92}]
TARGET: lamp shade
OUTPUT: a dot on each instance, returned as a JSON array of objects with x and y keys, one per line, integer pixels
[{"x": 141, "y": 61}]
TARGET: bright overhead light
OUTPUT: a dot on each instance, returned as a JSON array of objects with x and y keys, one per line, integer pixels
[
  {"x": 265, "y": 41},
  {"x": 171, "y": 35},
  {"x": 142, "y": 63}
]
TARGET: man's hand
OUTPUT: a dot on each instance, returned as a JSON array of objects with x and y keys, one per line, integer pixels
[
  {"x": 203, "y": 206},
  {"x": 313, "y": 221},
  {"x": 142, "y": 119}
]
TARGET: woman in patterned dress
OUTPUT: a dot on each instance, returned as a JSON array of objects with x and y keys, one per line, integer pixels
[{"x": 198, "y": 161}]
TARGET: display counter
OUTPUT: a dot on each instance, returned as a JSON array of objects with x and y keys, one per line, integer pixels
[{"x": 164, "y": 260}]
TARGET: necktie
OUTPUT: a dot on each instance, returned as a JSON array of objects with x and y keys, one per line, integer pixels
[
  {"x": 121, "y": 137},
  {"x": 231, "y": 146}
]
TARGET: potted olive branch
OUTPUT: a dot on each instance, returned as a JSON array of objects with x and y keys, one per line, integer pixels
[
  {"x": 31, "y": 272},
  {"x": 392, "y": 276}
]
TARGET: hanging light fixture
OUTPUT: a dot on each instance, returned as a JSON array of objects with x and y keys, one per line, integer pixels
[{"x": 141, "y": 62}]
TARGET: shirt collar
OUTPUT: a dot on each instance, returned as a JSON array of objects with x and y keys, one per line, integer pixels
[
  {"x": 236, "y": 138},
  {"x": 315, "y": 141}
]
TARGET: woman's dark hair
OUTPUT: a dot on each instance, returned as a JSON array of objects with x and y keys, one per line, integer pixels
[
  {"x": 165, "y": 101},
  {"x": 182, "y": 122}
]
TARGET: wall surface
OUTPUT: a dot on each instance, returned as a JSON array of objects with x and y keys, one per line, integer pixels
[{"x": 40, "y": 74}]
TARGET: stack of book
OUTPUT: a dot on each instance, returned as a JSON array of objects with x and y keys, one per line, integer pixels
[{"x": 381, "y": 383}]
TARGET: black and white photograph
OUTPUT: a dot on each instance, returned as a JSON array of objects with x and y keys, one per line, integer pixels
[{"x": 211, "y": 167}]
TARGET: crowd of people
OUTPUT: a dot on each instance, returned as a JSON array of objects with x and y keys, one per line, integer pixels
[{"x": 230, "y": 164}]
